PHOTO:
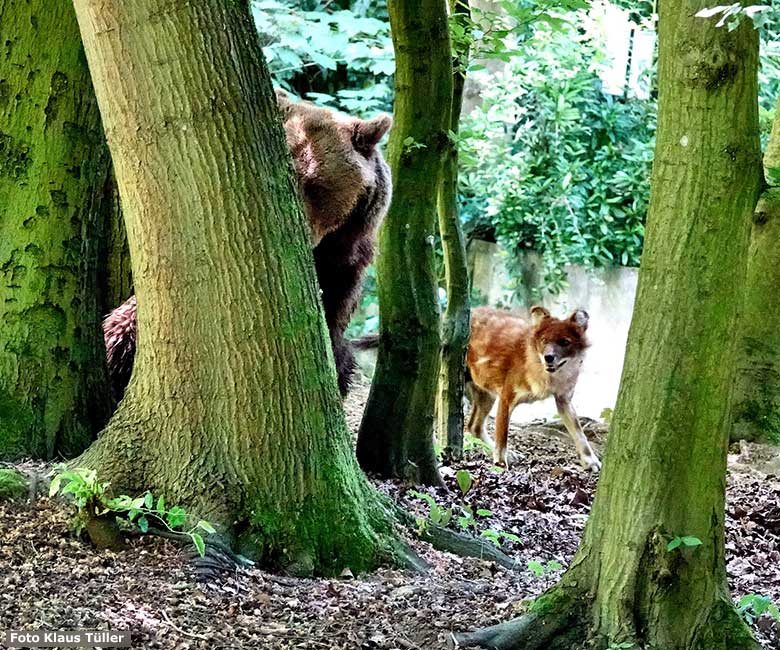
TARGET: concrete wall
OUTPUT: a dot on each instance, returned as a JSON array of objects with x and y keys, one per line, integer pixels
[{"x": 606, "y": 294}]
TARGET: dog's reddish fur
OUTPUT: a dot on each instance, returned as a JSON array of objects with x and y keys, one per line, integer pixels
[{"x": 515, "y": 361}]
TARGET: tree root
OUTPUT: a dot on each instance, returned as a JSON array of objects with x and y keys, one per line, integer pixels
[
  {"x": 219, "y": 557},
  {"x": 529, "y": 632},
  {"x": 443, "y": 539},
  {"x": 554, "y": 622}
]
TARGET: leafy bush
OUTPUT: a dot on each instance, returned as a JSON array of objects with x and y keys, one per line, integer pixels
[
  {"x": 336, "y": 57},
  {"x": 553, "y": 164}
]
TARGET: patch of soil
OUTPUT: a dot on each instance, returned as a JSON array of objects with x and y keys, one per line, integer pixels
[{"x": 50, "y": 580}]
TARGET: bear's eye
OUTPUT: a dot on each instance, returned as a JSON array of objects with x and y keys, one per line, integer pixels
[{"x": 564, "y": 343}]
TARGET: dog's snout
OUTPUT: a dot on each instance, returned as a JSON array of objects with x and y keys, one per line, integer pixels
[{"x": 549, "y": 358}]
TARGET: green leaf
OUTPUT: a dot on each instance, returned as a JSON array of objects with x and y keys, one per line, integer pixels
[
  {"x": 148, "y": 500},
  {"x": 536, "y": 568},
  {"x": 55, "y": 485},
  {"x": 175, "y": 517},
  {"x": 143, "y": 524},
  {"x": 464, "y": 481},
  {"x": 200, "y": 545},
  {"x": 691, "y": 541},
  {"x": 675, "y": 543},
  {"x": 205, "y": 525},
  {"x": 160, "y": 504},
  {"x": 484, "y": 513}
]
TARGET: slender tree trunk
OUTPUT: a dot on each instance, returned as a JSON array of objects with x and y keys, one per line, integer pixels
[
  {"x": 757, "y": 381},
  {"x": 53, "y": 165},
  {"x": 455, "y": 325},
  {"x": 233, "y": 409},
  {"x": 665, "y": 462},
  {"x": 396, "y": 434}
]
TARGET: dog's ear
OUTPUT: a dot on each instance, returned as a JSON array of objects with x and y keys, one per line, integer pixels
[
  {"x": 538, "y": 314},
  {"x": 580, "y": 319}
]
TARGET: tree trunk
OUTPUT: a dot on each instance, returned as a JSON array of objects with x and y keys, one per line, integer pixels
[
  {"x": 757, "y": 381},
  {"x": 53, "y": 164},
  {"x": 396, "y": 434},
  {"x": 455, "y": 325},
  {"x": 665, "y": 461},
  {"x": 233, "y": 409},
  {"x": 117, "y": 278}
]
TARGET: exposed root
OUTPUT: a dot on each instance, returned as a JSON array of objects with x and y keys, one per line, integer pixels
[
  {"x": 554, "y": 622},
  {"x": 464, "y": 545}
]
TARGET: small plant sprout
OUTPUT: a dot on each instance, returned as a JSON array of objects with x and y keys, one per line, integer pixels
[
  {"x": 540, "y": 570},
  {"x": 464, "y": 481},
  {"x": 751, "y": 607},
  {"x": 91, "y": 501},
  {"x": 623, "y": 645},
  {"x": 686, "y": 540}
]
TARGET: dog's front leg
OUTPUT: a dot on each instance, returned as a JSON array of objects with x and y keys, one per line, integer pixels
[{"x": 588, "y": 457}]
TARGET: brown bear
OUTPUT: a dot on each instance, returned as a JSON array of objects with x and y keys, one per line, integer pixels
[{"x": 345, "y": 185}]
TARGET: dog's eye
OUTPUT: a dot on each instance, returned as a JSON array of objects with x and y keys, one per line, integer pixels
[{"x": 564, "y": 343}]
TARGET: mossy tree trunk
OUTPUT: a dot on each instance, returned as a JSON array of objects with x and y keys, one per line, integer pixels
[
  {"x": 53, "y": 165},
  {"x": 757, "y": 380},
  {"x": 456, "y": 321},
  {"x": 233, "y": 410},
  {"x": 396, "y": 434},
  {"x": 664, "y": 471}
]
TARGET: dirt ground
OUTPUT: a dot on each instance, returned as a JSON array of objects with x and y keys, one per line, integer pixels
[{"x": 50, "y": 580}]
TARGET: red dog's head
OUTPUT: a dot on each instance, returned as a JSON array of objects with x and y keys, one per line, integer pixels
[{"x": 557, "y": 342}]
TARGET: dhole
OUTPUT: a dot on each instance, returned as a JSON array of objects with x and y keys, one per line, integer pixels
[{"x": 519, "y": 362}]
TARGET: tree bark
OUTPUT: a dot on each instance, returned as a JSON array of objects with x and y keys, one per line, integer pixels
[
  {"x": 53, "y": 164},
  {"x": 456, "y": 322},
  {"x": 396, "y": 434},
  {"x": 665, "y": 461},
  {"x": 233, "y": 409},
  {"x": 757, "y": 379}
]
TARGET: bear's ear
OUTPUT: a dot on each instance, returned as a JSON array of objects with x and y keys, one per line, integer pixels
[
  {"x": 282, "y": 100},
  {"x": 538, "y": 314},
  {"x": 580, "y": 318},
  {"x": 366, "y": 134}
]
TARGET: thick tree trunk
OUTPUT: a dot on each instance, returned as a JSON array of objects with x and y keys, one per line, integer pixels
[
  {"x": 396, "y": 434},
  {"x": 757, "y": 381},
  {"x": 455, "y": 325},
  {"x": 233, "y": 409},
  {"x": 665, "y": 462},
  {"x": 53, "y": 165}
]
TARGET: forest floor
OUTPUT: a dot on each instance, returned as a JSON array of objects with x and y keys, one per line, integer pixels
[{"x": 50, "y": 580}]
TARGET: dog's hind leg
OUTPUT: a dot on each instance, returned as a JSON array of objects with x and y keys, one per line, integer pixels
[{"x": 481, "y": 403}]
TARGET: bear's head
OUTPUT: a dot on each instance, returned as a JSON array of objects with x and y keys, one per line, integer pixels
[{"x": 339, "y": 167}]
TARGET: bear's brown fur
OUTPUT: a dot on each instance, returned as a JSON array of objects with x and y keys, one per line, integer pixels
[{"x": 345, "y": 185}]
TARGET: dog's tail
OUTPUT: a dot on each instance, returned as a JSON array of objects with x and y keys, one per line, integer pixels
[{"x": 367, "y": 342}]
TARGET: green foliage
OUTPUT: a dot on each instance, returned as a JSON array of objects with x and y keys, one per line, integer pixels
[
  {"x": 468, "y": 518},
  {"x": 540, "y": 570},
  {"x": 463, "y": 477},
  {"x": 623, "y": 645},
  {"x": 12, "y": 484},
  {"x": 751, "y": 607},
  {"x": 685, "y": 540},
  {"x": 336, "y": 57},
  {"x": 550, "y": 163},
  {"x": 91, "y": 500}
]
